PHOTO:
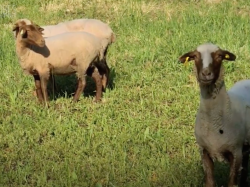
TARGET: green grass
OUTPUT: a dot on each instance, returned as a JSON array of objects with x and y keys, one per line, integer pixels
[{"x": 143, "y": 132}]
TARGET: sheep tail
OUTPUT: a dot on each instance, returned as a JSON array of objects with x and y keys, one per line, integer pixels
[
  {"x": 101, "y": 55},
  {"x": 101, "y": 63}
]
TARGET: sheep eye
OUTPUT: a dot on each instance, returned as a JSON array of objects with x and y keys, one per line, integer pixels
[
  {"x": 220, "y": 56},
  {"x": 194, "y": 57}
]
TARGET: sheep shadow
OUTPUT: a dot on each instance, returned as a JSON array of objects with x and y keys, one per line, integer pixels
[
  {"x": 65, "y": 86},
  {"x": 221, "y": 174}
]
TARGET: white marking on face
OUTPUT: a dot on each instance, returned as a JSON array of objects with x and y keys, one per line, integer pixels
[
  {"x": 28, "y": 22},
  {"x": 206, "y": 50}
]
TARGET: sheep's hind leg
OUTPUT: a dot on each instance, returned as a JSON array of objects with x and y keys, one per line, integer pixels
[
  {"x": 52, "y": 82},
  {"x": 80, "y": 87},
  {"x": 244, "y": 171},
  {"x": 208, "y": 166},
  {"x": 98, "y": 81},
  {"x": 52, "y": 79},
  {"x": 235, "y": 164},
  {"x": 39, "y": 93},
  {"x": 105, "y": 77}
]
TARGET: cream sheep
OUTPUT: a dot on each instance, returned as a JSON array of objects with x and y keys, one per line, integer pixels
[
  {"x": 62, "y": 54},
  {"x": 92, "y": 26},
  {"x": 223, "y": 119}
]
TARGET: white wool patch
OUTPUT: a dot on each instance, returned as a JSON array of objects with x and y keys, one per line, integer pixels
[
  {"x": 205, "y": 51},
  {"x": 28, "y": 22}
]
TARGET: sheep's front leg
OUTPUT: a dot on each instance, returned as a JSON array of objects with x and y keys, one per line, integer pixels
[
  {"x": 39, "y": 93},
  {"x": 98, "y": 81},
  {"x": 235, "y": 164},
  {"x": 80, "y": 87},
  {"x": 208, "y": 166},
  {"x": 44, "y": 82}
]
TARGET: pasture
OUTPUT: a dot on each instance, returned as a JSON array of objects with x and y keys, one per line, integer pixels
[{"x": 142, "y": 134}]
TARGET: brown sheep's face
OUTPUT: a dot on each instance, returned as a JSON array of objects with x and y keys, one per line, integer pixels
[
  {"x": 208, "y": 60},
  {"x": 30, "y": 34}
]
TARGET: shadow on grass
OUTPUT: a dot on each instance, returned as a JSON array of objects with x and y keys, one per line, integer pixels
[
  {"x": 221, "y": 174},
  {"x": 65, "y": 86}
]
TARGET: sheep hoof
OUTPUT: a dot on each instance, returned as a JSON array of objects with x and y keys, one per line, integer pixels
[
  {"x": 97, "y": 100},
  {"x": 34, "y": 93},
  {"x": 46, "y": 104},
  {"x": 75, "y": 100}
]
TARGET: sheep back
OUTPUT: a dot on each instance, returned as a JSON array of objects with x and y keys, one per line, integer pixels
[
  {"x": 93, "y": 26},
  {"x": 240, "y": 96}
]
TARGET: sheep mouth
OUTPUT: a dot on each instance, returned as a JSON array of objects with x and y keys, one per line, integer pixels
[{"x": 206, "y": 81}]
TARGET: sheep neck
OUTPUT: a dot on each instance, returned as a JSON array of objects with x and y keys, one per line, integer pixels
[
  {"x": 214, "y": 104},
  {"x": 22, "y": 49}
]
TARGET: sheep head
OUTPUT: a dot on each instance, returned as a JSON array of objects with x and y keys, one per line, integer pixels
[
  {"x": 208, "y": 61},
  {"x": 29, "y": 32}
]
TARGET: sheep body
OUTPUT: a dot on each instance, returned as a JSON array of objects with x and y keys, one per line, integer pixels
[
  {"x": 67, "y": 53},
  {"x": 227, "y": 113},
  {"x": 241, "y": 89},
  {"x": 92, "y": 26},
  {"x": 241, "y": 92},
  {"x": 227, "y": 120}
]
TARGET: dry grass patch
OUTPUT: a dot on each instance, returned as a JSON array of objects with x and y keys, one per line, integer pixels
[
  {"x": 51, "y": 6},
  {"x": 109, "y": 9},
  {"x": 193, "y": 82},
  {"x": 156, "y": 8},
  {"x": 243, "y": 11},
  {"x": 214, "y": 1},
  {"x": 8, "y": 26}
]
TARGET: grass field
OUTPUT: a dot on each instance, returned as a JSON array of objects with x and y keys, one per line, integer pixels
[{"x": 142, "y": 134}]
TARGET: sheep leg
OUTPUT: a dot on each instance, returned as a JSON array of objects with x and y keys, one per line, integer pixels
[
  {"x": 44, "y": 82},
  {"x": 106, "y": 74},
  {"x": 105, "y": 77},
  {"x": 80, "y": 87},
  {"x": 53, "y": 82},
  {"x": 52, "y": 77},
  {"x": 98, "y": 81},
  {"x": 208, "y": 166},
  {"x": 39, "y": 93},
  {"x": 244, "y": 171},
  {"x": 235, "y": 164}
]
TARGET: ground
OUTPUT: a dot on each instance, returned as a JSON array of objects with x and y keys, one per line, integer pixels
[{"x": 142, "y": 134}]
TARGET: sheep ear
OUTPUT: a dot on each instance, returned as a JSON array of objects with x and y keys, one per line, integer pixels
[
  {"x": 228, "y": 55},
  {"x": 39, "y": 28},
  {"x": 187, "y": 57},
  {"x": 15, "y": 27}
]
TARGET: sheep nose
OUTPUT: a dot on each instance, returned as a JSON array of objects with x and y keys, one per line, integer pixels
[{"x": 206, "y": 72}]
